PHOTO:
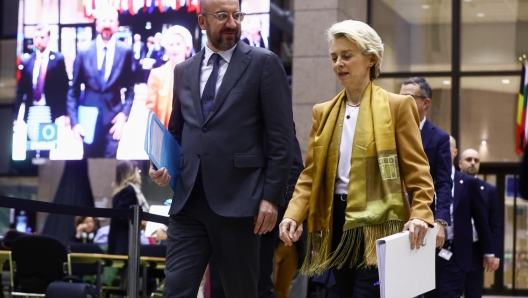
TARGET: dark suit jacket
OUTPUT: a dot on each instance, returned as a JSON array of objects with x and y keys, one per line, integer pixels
[
  {"x": 118, "y": 233},
  {"x": 436, "y": 146},
  {"x": 142, "y": 51},
  {"x": 244, "y": 147},
  {"x": 156, "y": 55},
  {"x": 55, "y": 86},
  {"x": 468, "y": 203},
  {"x": 491, "y": 200},
  {"x": 107, "y": 98}
]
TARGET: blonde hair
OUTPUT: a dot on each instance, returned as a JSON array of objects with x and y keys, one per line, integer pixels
[
  {"x": 126, "y": 172},
  {"x": 183, "y": 32},
  {"x": 366, "y": 38}
]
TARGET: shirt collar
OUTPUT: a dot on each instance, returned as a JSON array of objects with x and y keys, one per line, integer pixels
[
  {"x": 452, "y": 172},
  {"x": 46, "y": 53},
  {"x": 226, "y": 55},
  {"x": 422, "y": 122},
  {"x": 100, "y": 43}
]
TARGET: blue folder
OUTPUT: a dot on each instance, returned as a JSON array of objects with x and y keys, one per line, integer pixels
[{"x": 161, "y": 147}]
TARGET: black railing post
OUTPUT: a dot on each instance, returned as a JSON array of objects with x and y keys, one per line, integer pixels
[{"x": 133, "y": 251}]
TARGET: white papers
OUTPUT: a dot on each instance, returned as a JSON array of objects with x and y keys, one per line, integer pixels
[
  {"x": 404, "y": 272},
  {"x": 151, "y": 226}
]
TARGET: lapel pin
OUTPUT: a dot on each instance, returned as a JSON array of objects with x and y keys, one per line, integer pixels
[
  {"x": 461, "y": 181},
  {"x": 482, "y": 187},
  {"x": 52, "y": 57}
]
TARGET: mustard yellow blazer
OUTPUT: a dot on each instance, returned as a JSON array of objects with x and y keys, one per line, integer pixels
[
  {"x": 159, "y": 98},
  {"x": 414, "y": 166}
]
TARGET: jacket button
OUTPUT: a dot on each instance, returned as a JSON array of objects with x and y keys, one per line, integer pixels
[{"x": 204, "y": 130}]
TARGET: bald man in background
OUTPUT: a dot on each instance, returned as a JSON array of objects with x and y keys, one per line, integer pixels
[{"x": 470, "y": 164}]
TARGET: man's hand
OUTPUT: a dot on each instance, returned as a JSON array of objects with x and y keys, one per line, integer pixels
[
  {"x": 267, "y": 217},
  {"x": 67, "y": 121},
  {"x": 161, "y": 177},
  {"x": 440, "y": 237},
  {"x": 118, "y": 126},
  {"x": 417, "y": 229},
  {"x": 496, "y": 264},
  {"x": 488, "y": 263},
  {"x": 78, "y": 132},
  {"x": 289, "y": 232}
]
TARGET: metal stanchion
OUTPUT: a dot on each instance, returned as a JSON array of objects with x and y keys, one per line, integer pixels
[{"x": 133, "y": 251}]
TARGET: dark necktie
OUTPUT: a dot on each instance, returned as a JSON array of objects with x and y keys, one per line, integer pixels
[
  {"x": 208, "y": 94},
  {"x": 103, "y": 70},
  {"x": 39, "y": 87}
]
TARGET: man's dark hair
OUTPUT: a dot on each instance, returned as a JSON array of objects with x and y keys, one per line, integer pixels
[
  {"x": 425, "y": 88},
  {"x": 41, "y": 27}
]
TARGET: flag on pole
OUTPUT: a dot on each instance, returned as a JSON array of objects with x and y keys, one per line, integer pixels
[{"x": 522, "y": 125}]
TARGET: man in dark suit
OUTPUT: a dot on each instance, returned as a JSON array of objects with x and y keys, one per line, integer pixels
[
  {"x": 104, "y": 67},
  {"x": 469, "y": 163},
  {"x": 43, "y": 81},
  {"x": 139, "y": 50},
  {"x": 232, "y": 115},
  {"x": 455, "y": 259},
  {"x": 436, "y": 146}
]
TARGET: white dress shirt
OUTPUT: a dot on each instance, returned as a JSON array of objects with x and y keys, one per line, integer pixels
[
  {"x": 207, "y": 67},
  {"x": 345, "y": 150},
  {"x": 422, "y": 123},
  {"x": 110, "y": 51},
  {"x": 41, "y": 59}
]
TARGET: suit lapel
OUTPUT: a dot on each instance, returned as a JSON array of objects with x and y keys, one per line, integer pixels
[
  {"x": 31, "y": 65},
  {"x": 236, "y": 68},
  {"x": 194, "y": 77},
  {"x": 427, "y": 133},
  {"x": 92, "y": 62}
]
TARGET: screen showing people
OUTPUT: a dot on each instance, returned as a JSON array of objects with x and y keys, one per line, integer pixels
[{"x": 85, "y": 85}]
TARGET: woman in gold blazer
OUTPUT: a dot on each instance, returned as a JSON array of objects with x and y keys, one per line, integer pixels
[
  {"x": 364, "y": 154},
  {"x": 177, "y": 41}
]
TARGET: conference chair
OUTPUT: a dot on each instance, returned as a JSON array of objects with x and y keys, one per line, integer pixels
[
  {"x": 35, "y": 262},
  {"x": 148, "y": 269},
  {"x": 96, "y": 269}
]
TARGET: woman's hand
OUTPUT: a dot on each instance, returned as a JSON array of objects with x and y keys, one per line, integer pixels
[
  {"x": 80, "y": 229},
  {"x": 289, "y": 232},
  {"x": 417, "y": 230}
]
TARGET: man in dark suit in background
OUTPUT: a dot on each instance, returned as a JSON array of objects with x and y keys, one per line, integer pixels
[
  {"x": 138, "y": 47},
  {"x": 232, "y": 115},
  {"x": 105, "y": 67},
  {"x": 469, "y": 163},
  {"x": 436, "y": 146},
  {"x": 43, "y": 81},
  {"x": 454, "y": 261}
]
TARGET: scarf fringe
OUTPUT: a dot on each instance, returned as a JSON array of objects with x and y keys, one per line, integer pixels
[{"x": 318, "y": 259}]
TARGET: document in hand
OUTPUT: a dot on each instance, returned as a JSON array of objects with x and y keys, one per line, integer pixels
[
  {"x": 161, "y": 147},
  {"x": 404, "y": 272}
]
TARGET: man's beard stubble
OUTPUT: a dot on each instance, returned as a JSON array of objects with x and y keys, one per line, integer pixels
[
  {"x": 220, "y": 43},
  {"x": 106, "y": 34}
]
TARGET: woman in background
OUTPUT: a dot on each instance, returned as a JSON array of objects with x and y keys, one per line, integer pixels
[
  {"x": 85, "y": 229},
  {"x": 127, "y": 192},
  {"x": 177, "y": 42}
]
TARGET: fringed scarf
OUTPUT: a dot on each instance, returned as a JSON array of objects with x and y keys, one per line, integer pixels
[{"x": 375, "y": 206}]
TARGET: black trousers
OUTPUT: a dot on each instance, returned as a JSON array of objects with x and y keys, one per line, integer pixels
[
  {"x": 352, "y": 282},
  {"x": 268, "y": 244},
  {"x": 195, "y": 234}
]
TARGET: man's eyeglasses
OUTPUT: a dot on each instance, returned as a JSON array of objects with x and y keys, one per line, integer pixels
[
  {"x": 416, "y": 96},
  {"x": 223, "y": 16}
]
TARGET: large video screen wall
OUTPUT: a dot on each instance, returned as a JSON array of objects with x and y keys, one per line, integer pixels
[{"x": 68, "y": 106}]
